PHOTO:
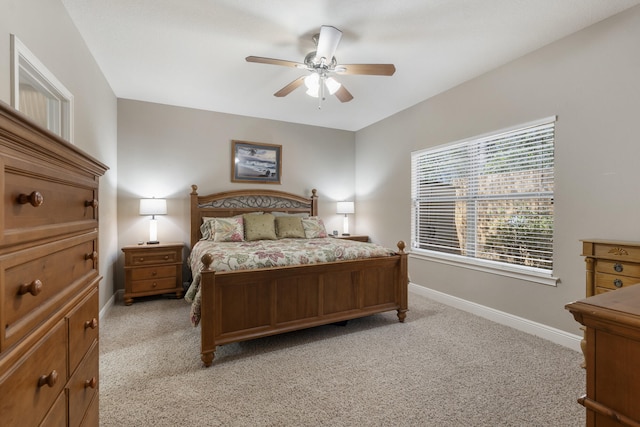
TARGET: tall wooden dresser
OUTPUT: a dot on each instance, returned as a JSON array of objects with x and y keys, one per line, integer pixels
[
  {"x": 612, "y": 321},
  {"x": 48, "y": 277}
]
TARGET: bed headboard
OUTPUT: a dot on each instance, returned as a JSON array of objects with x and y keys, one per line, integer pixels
[{"x": 230, "y": 203}]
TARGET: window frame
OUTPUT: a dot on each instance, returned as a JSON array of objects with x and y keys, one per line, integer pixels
[
  {"x": 25, "y": 67},
  {"x": 527, "y": 273}
]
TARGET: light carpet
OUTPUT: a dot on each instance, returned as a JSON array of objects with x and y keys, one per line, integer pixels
[{"x": 442, "y": 367}]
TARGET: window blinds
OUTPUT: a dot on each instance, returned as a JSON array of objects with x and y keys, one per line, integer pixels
[{"x": 489, "y": 197}]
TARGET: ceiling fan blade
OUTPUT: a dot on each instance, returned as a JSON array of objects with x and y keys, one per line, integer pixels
[
  {"x": 343, "y": 94},
  {"x": 328, "y": 42},
  {"x": 261, "y": 60},
  {"x": 368, "y": 69},
  {"x": 290, "y": 87}
]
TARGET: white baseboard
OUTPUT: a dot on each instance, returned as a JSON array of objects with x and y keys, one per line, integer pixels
[
  {"x": 557, "y": 336},
  {"x": 115, "y": 297}
]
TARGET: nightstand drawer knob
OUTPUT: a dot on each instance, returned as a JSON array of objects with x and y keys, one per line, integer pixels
[
  {"x": 154, "y": 273},
  {"x": 93, "y": 323},
  {"x": 92, "y": 383},
  {"x": 32, "y": 288},
  {"x": 166, "y": 257},
  {"x": 617, "y": 267},
  {"x": 49, "y": 380},
  {"x": 154, "y": 284},
  {"x": 617, "y": 283}
]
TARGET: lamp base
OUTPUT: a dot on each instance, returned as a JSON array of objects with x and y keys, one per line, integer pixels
[
  {"x": 346, "y": 234},
  {"x": 154, "y": 242}
]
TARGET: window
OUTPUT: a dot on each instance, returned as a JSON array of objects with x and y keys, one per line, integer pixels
[
  {"x": 488, "y": 200},
  {"x": 38, "y": 94}
]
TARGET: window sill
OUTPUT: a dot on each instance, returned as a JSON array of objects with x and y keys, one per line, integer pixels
[{"x": 522, "y": 273}]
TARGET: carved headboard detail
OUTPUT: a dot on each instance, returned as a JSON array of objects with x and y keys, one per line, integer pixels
[{"x": 230, "y": 203}]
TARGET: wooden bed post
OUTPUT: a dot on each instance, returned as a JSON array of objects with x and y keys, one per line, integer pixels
[
  {"x": 195, "y": 219},
  {"x": 314, "y": 202},
  {"x": 207, "y": 295},
  {"x": 403, "y": 281}
]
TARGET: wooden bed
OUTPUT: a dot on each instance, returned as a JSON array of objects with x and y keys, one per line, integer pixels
[{"x": 246, "y": 304}]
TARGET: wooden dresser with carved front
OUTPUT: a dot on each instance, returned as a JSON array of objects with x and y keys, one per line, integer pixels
[
  {"x": 610, "y": 265},
  {"x": 48, "y": 277}
]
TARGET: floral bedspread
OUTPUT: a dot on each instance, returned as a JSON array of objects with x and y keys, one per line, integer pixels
[{"x": 271, "y": 253}]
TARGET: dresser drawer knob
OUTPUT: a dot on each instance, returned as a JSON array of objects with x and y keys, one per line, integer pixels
[
  {"x": 92, "y": 383},
  {"x": 49, "y": 380},
  {"x": 32, "y": 288},
  {"x": 617, "y": 283},
  {"x": 154, "y": 285},
  {"x": 35, "y": 199},
  {"x": 91, "y": 255},
  {"x": 93, "y": 323},
  {"x": 617, "y": 267},
  {"x": 166, "y": 257},
  {"x": 91, "y": 203}
]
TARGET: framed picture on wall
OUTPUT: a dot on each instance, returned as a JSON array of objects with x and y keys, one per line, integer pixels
[{"x": 256, "y": 162}]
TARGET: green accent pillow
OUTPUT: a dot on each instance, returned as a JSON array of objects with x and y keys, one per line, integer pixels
[
  {"x": 259, "y": 227},
  {"x": 289, "y": 226}
]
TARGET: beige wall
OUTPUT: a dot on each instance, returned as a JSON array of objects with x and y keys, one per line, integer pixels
[
  {"x": 591, "y": 81},
  {"x": 163, "y": 150},
  {"x": 48, "y": 32}
]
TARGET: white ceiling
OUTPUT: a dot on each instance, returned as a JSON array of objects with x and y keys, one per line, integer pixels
[{"x": 190, "y": 53}]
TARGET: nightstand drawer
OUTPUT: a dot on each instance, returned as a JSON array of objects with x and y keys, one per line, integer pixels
[
  {"x": 153, "y": 272},
  {"x": 614, "y": 281},
  {"x": 152, "y": 257},
  {"x": 618, "y": 268},
  {"x": 153, "y": 284}
]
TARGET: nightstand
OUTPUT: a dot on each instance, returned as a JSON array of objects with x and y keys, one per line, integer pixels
[
  {"x": 356, "y": 237},
  {"x": 152, "y": 270}
]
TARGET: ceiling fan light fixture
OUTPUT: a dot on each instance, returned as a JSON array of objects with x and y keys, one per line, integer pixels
[
  {"x": 332, "y": 85},
  {"x": 312, "y": 82}
]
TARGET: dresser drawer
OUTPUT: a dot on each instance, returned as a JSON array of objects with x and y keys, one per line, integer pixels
[
  {"x": 152, "y": 257},
  {"x": 153, "y": 284},
  {"x": 619, "y": 268},
  {"x": 616, "y": 252},
  {"x": 40, "y": 280},
  {"x": 613, "y": 281},
  {"x": 83, "y": 328},
  {"x": 36, "y": 380},
  {"x": 83, "y": 385},
  {"x": 153, "y": 272},
  {"x": 57, "y": 415},
  {"x": 40, "y": 203}
]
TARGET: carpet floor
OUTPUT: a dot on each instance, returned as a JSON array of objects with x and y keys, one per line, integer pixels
[{"x": 442, "y": 367}]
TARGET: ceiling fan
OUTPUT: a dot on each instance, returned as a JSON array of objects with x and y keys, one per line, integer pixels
[{"x": 323, "y": 65}]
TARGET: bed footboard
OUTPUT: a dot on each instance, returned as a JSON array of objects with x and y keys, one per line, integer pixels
[{"x": 242, "y": 305}]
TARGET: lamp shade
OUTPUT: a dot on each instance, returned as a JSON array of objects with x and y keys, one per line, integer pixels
[
  {"x": 345, "y": 208},
  {"x": 153, "y": 206}
]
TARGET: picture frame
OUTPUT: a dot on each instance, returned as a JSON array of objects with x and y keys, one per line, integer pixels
[{"x": 256, "y": 162}]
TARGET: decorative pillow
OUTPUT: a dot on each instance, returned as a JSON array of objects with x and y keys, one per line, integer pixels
[
  {"x": 298, "y": 214},
  {"x": 313, "y": 227},
  {"x": 208, "y": 223},
  {"x": 207, "y": 228},
  {"x": 229, "y": 229},
  {"x": 259, "y": 227},
  {"x": 289, "y": 226}
]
